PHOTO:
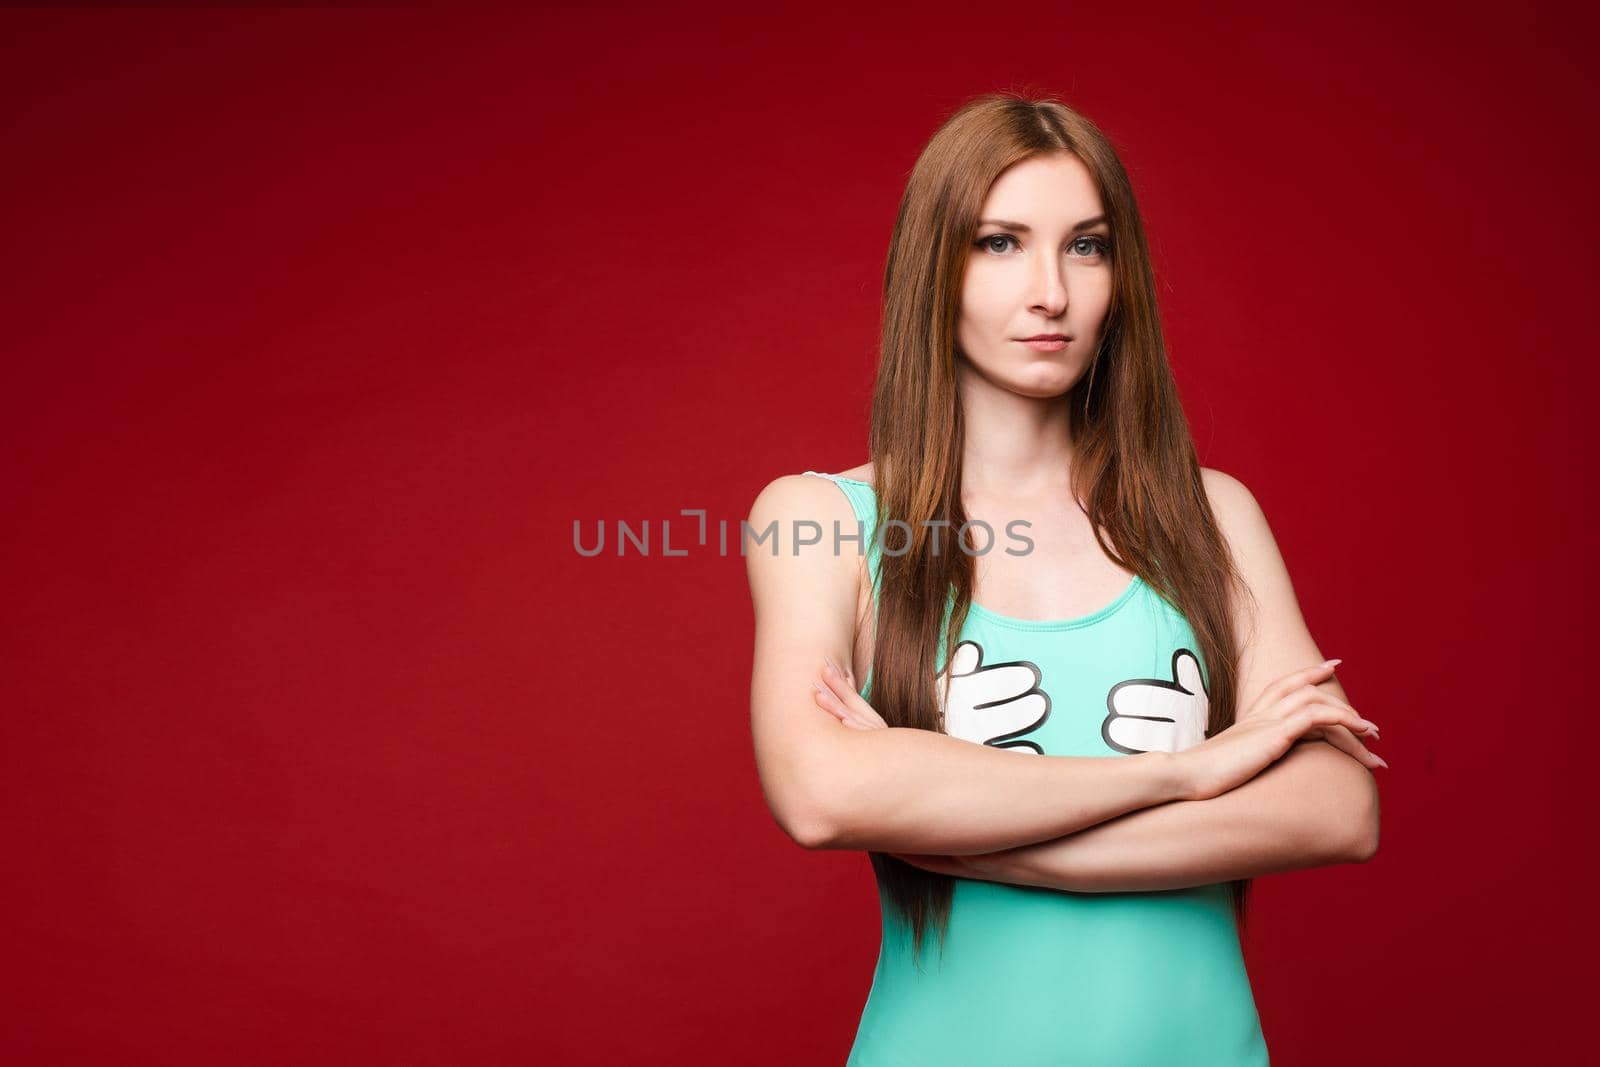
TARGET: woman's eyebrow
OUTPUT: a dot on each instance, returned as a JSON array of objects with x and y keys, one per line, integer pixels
[{"x": 1084, "y": 225}]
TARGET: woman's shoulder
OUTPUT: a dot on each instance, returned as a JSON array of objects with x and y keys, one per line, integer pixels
[
  {"x": 1240, "y": 520},
  {"x": 784, "y": 519},
  {"x": 805, "y": 485},
  {"x": 801, "y": 496},
  {"x": 862, "y": 473},
  {"x": 1231, "y": 502}
]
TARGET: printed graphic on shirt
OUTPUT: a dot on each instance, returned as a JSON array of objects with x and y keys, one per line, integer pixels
[
  {"x": 1155, "y": 715},
  {"x": 992, "y": 704}
]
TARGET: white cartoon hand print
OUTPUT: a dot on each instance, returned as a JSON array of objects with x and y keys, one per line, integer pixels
[
  {"x": 992, "y": 705},
  {"x": 1151, "y": 715}
]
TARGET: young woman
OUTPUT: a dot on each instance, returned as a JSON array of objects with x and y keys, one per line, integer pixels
[{"x": 1135, "y": 719}]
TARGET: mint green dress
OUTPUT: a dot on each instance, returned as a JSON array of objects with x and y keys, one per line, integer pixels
[{"x": 1033, "y": 976}]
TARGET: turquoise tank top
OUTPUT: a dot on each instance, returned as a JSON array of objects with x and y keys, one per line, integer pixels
[{"x": 1032, "y": 976}]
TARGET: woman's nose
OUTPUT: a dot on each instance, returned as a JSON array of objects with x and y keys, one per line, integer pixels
[{"x": 1050, "y": 288}]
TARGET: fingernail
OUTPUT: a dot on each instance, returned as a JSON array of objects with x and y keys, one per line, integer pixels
[
  {"x": 1383, "y": 763},
  {"x": 1332, "y": 662}
]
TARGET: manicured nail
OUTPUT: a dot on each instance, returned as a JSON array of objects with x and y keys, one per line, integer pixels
[{"x": 1332, "y": 662}]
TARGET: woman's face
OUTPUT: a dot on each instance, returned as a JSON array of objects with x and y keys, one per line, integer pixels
[{"x": 1040, "y": 264}]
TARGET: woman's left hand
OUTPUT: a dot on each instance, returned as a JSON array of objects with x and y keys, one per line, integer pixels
[{"x": 836, "y": 694}]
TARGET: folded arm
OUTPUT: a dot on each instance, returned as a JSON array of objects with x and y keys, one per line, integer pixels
[
  {"x": 1315, "y": 807},
  {"x": 892, "y": 789}
]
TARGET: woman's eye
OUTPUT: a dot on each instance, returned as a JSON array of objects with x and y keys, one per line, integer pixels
[
  {"x": 984, "y": 242},
  {"x": 1096, "y": 245}
]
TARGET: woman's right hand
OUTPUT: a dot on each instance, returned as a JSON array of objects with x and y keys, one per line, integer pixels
[{"x": 1289, "y": 710}]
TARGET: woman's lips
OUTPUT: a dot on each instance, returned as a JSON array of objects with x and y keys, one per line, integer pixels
[{"x": 1055, "y": 345}]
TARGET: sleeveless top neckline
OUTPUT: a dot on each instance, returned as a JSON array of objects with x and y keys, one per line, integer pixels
[{"x": 1012, "y": 621}]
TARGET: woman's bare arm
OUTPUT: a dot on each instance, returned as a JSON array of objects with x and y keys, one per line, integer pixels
[
  {"x": 896, "y": 789},
  {"x": 1281, "y": 820}
]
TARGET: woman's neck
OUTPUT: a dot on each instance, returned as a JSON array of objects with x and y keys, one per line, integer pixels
[{"x": 1014, "y": 445}]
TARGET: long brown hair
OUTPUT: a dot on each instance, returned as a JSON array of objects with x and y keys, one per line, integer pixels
[{"x": 1135, "y": 470}]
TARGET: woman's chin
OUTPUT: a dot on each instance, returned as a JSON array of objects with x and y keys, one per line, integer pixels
[
  {"x": 1038, "y": 379},
  {"x": 1045, "y": 386}
]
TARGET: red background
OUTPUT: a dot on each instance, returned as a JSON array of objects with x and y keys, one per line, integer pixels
[{"x": 322, "y": 327}]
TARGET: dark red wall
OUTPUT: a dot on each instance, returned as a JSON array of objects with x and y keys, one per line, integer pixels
[{"x": 320, "y": 328}]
